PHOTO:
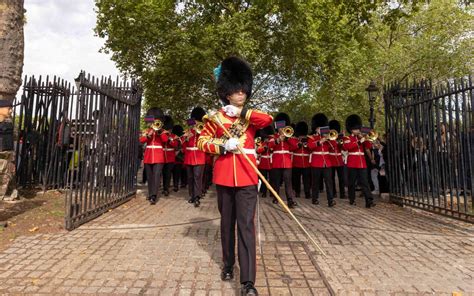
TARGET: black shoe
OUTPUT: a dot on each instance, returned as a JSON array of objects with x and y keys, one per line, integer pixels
[
  {"x": 175, "y": 189},
  {"x": 227, "y": 274},
  {"x": 191, "y": 200},
  {"x": 166, "y": 193},
  {"x": 332, "y": 203},
  {"x": 197, "y": 203},
  {"x": 315, "y": 202},
  {"x": 248, "y": 289},
  {"x": 291, "y": 203},
  {"x": 153, "y": 200},
  {"x": 370, "y": 205},
  {"x": 352, "y": 202},
  {"x": 275, "y": 201}
]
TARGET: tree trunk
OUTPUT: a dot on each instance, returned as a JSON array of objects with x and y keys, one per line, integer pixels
[{"x": 11, "y": 66}]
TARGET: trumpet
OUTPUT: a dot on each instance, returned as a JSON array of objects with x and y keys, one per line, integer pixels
[
  {"x": 288, "y": 131},
  {"x": 199, "y": 127},
  {"x": 333, "y": 135},
  {"x": 371, "y": 136},
  {"x": 258, "y": 141},
  {"x": 157, "y": 125}
]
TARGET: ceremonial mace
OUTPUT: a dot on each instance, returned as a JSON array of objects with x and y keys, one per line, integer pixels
[{"x": 214, "y": 117}]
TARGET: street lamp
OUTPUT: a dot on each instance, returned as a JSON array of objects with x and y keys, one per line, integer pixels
[{"x": 372, "y": 91}]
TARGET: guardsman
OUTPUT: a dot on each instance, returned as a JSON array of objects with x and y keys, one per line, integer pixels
[
  {"x": 194, "y": 159},
  {"x": 319, "y": 144},
  {"x": 178, "y": 167},
  {"x": 336, "y": 159},
  {"x": 301, "y": 164},
  {"x": 169, "y": 148},
  {"x": 264, "y": 156},
  {"x": 282, "y": 144},
  {"x": 236, "y": 181},
  {"x": 355, "y": 144},
  {"x": 154, "y": 137}
]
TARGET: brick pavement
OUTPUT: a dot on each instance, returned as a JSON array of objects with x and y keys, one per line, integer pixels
[{"x": 174, "y": 249}]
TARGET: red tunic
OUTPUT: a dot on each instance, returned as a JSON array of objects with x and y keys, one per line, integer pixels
[
  {"x": 232, "y": 169},
  {"x": 192, "y": 155},
  {"x": 319, "y": 152},
  {"x": 282, "y": 151},
  {"x": 335, "y": 154},
  {"x": 301, "y": 157},
  {"x": 154, "y": 147},
  {"x": 355, "y": 149},
  {"x": 265, "y": 156},
  {"x": 170, "y": 148}
]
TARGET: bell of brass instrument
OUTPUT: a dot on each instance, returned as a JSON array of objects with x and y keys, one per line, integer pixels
[
  {"x": 199, "y": 127},
  {"x": 157, "y": 125},
  {"x": 258, "y": 141},
  {"x": 288, "y": 131},
  {"x": 333, "y": 135}
]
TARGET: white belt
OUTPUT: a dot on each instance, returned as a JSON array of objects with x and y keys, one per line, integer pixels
[
  {"x": 320, "y": 153},
  {"x": 169, "y": 149},
  {"x": 281, "y": 152},
  {"x": 300, "y": 154},
  {"x": 265, "y": 156},
  {"x": 154, "y": 146},
  {"x": 192, "y": 148},
  {"x": 335, "y": 154},
  {"x": 356, "y": 153},
  {"x": 247, "y": 151}
]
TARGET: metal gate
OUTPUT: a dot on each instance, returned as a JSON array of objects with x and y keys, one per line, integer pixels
[
  {"x": 104, "y": 163},
  {"x": 39, "y": 114},
  {"x": 430, "y": 145}
]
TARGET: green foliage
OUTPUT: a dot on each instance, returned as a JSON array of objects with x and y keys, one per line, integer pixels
[{"x": 308, "y": 56}]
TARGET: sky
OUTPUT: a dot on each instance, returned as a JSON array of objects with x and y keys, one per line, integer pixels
[{"x": 59, "y": 40}]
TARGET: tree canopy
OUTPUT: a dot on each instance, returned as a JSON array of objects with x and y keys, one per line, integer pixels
[{"x": 307, "y": 56}]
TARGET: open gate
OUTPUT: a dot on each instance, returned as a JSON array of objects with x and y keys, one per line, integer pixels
[{"x": 430, "y": 142}]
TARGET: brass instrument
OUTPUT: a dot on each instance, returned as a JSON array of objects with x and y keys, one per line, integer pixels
[
  {"x": 199, "y": 127},
  {"x": 333, "y": 135},
  {"x": 258, "y": 141},
  {"x": 288, "y": 131},
  {"x": 157, "y": 125},
  {"x": 371, "y": 136}
]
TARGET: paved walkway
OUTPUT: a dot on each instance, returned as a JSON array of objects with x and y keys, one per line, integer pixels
[{"x": 174, "y": 249}]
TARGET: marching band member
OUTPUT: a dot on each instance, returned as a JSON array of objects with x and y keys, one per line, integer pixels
[
  {"x": 282, "y": 146},
  {"x": 169, "y": 148},
  {"x": 320, "y": 161},
  {"x": 236, "y": 181},
  {"x": 265, "y": 157},
  {"x": 301, "y": 164},
  {"x": 194, "y": 159},
  {"x": 356, "y": 144},
  {"x": 335, "y": 155},
  {"x": 153, "y": 159}
]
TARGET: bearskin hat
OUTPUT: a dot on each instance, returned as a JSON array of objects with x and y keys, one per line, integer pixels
[
  {"x": 267, "y": 131},
  {"x": 353, "y": 122},
  {"x": 282, "y": 117},
  {"x": 234, "y": 74},
  {"x": 178, "y": 130},
  {"x": 301, "y": 129},
  {"x": 157, "y": 113},
  {"x": 198, "y": 113},
  {"x": 167, "y": 122},
  {"x": 318, "y": 120},
  {"x": 335, "y": 125}
]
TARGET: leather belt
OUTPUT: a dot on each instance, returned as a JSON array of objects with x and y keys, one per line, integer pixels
[{"x": 154, "y": 146}]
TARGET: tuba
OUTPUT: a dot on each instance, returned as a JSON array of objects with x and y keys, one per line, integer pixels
[{"x": 288, "y": 131}]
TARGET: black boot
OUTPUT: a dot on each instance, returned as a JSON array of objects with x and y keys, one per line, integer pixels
[
  {"x": 248, "y": 289},
  {"x": 153, "y": 200},
  {"x": 331, "y": 203},
  {"x": 227, "y": 274},
  {"x": 196, "y": 202},
  {"x": 315, "y": 201},
  {"x": 191, "y": 200},
  {"x": 352, "y": 202},
  {"x": 370, "y": 204},
  {"x": 291, "y": 203}
]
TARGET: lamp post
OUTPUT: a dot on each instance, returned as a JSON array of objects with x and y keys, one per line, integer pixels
[{"x": 372, "y": 91}]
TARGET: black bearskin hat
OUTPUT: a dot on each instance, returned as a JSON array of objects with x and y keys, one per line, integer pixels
[
  {"x": 234, "y": 75},
  {"x": 178, "y": 130},
  {"x": 157, "y": 113},
  {"x": 167, "y": 122},
  {"x": 267, "y": 131},
  {"x": 353, "y": 122},
  {"x": 335, "y": 125},
  {"x": 282, "y": 117},
  {"x": 301, "y": 129},
  {"x": 198, "y": 113},
  {"x": 318, "y": 120}
]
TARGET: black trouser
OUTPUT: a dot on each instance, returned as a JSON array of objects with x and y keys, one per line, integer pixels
[
  {"x": 206, "y": 176},
  {"x": 184, "y": 176},
  {"x": 340, "y": 178},
  {"x": 276, "y": 178},
  {"x": 306, "y": 174},
  {"x": 238, "y": 204},
  {"x": 263, "y": 187},
  {"x": 153, "y": 172},
  {"x": 167, "y": 172},
  {"x": 359, "y": 175},
  {"x": 317, "y": 174},
  {"x": 177, "y": 168},
  {"x": 195, "y": 173}
]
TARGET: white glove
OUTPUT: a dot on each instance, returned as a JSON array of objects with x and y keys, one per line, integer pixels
[
  {"x": 231, "y": 110},
  {"x": 231, "y": 144}
]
